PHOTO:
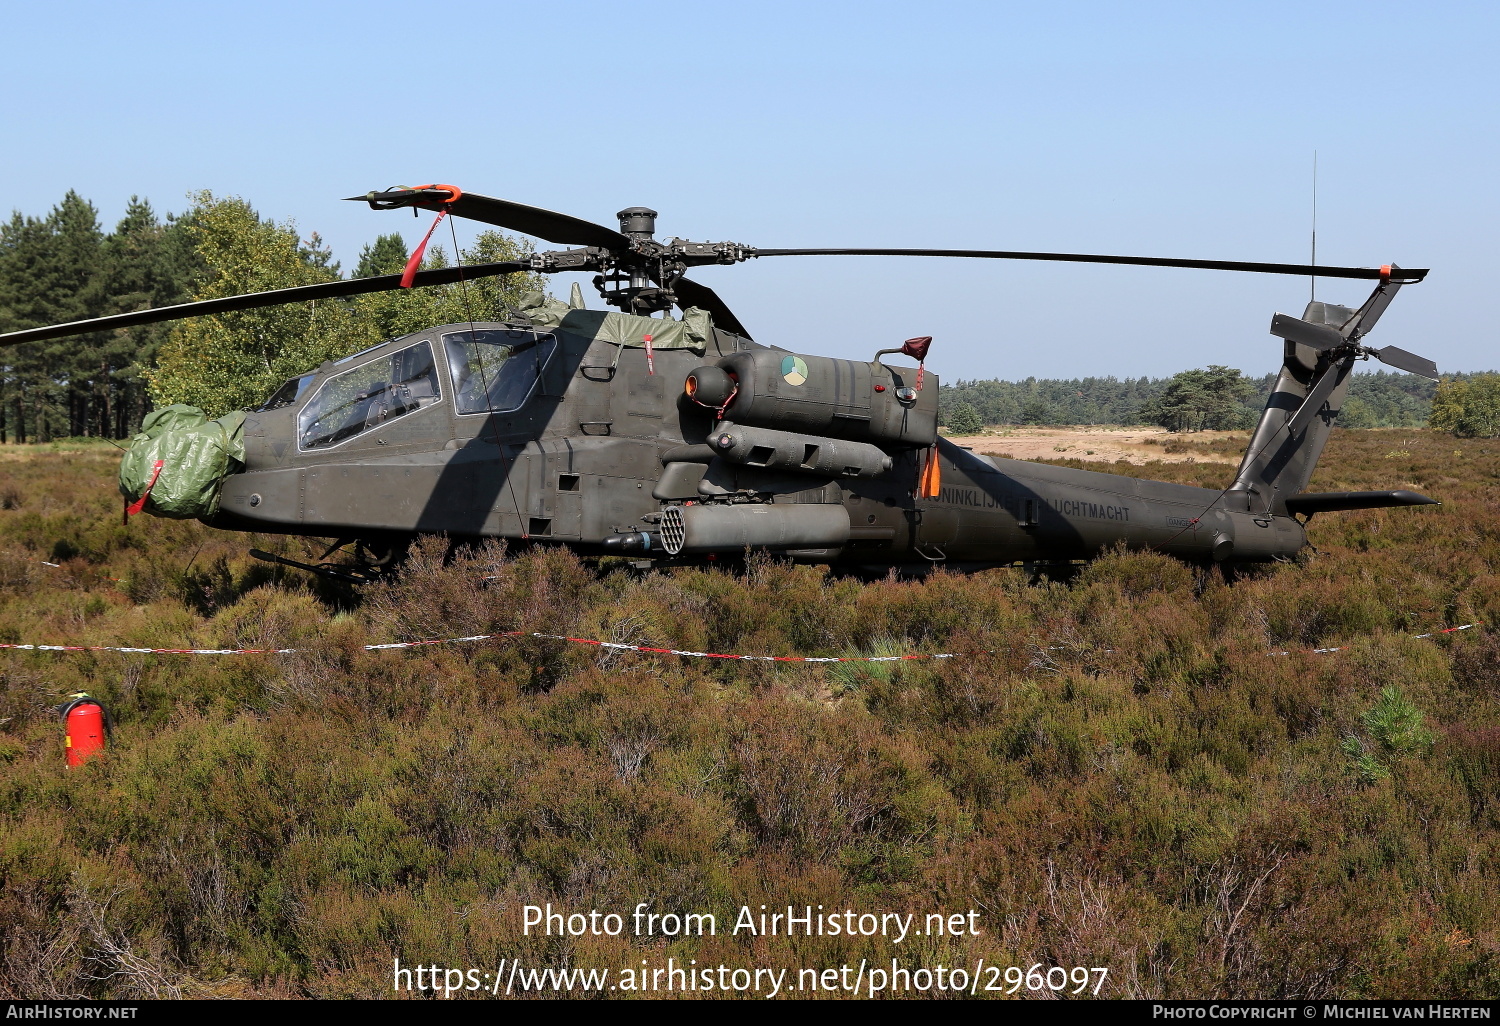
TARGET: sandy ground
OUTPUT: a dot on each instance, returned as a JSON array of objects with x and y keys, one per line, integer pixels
[
  {"x": 1092, "y": 444},
  {"x": 1100, "y": 444}
]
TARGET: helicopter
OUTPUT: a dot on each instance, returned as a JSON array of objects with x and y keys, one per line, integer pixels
[{"x": 631, "y": 432}]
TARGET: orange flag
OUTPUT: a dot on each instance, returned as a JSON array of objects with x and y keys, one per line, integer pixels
[{"x": 932, "y": 476}]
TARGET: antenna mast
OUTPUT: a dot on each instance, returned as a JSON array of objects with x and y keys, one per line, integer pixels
[{"x": 1314, "y": 281}]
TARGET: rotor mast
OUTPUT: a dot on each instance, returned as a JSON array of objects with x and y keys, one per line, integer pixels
[{"x": 642, "y": 264}]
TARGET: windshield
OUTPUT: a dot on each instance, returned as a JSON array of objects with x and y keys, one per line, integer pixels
[
  {"x": 368, "y": 396},
  {"x": 494, "y": 370}
]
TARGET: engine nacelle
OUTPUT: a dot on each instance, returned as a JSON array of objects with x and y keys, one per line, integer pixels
[{"x": 862, "y": 402}]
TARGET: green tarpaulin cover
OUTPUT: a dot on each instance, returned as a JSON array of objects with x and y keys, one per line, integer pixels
[
  {"x": 692, "y": 332},
  {"x": 196, "y": 454}
]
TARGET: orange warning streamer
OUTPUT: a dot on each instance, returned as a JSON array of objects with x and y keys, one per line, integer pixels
[
  {"x": 416, "y": 255},
  {"x": 932, "y": 476}
]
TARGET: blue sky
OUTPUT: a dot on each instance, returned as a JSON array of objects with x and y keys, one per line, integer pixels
[{"x": 1156, "y": 129}]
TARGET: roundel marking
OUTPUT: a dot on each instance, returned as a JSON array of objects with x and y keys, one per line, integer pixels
[{"x": 794, "y": 370}]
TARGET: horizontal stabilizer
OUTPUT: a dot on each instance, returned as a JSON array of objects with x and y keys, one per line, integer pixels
[{"x": 1309, "y": 503}]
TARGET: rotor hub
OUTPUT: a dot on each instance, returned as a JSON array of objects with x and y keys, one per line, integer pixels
[{"x": 637, "y": 222}]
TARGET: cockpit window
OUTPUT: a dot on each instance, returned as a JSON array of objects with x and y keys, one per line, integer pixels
[
  {"x": 368, "y": 396},
  {"x": 288, "y": 393},
  {"x": 494, "y": 370}
]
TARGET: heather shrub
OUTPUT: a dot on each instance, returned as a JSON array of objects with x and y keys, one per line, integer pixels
[
  {"x": 1114, "y": 769},
  {"x": 1476, "y": 664},
  {"x": 1137, "y": 573}
]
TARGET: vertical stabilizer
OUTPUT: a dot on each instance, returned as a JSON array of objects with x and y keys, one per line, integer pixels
[
  {"x": 1298, "y": 418},
  {"x": 1321, "y": 350}
]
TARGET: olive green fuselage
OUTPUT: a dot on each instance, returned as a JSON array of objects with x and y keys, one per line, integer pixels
[{"x": 601, "y": 441}]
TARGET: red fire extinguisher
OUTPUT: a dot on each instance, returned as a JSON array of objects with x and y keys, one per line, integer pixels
[{"x": 88, "y": 724}]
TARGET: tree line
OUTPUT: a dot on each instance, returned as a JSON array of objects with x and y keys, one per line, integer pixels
[
  {"x": 1216, "y": 398},
  {"x": 1468, "y": 408},
  {"x": 65, "y": 267}
]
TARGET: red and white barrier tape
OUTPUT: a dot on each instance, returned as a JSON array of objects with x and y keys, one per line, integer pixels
[
  {"x": 1345, "y": 648},
  {"x": 59, "y": 566},
  {"x": 618, "y": 646},
  {"x": 490, "y": 637}
]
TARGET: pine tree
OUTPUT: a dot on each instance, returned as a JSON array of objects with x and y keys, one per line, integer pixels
[
  {"x": 76, "y": 293},
  {"x": 386, "y": 255},
  {"x": 964, "y": 420},
  {"x": 64, "y": 268},
  {"x": 19, "y": 249},
  {"x": 49, "y": 272},
  {"x": 1198, "y": 400},
  {"x": 318, "y": 254},
  {"x": 401, "y": 312},
  {"x": 388, "y": 313},
  {"x": 146, "y": 264}
]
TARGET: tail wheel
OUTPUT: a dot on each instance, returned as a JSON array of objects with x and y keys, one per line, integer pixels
[{"x": 380, "y": 553}]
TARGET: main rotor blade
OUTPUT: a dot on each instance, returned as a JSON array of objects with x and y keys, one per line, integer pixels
[
  {"x": 1412, "y": 274},
  {"x": 548, "y": 225},
  {"x": 690, "y": 293},
  {"x": 276, "y": 297},
  {"x": 1402, "y": 360}
]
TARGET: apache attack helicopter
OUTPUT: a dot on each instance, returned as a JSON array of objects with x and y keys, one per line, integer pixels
[{"x": 683, "y": 439}]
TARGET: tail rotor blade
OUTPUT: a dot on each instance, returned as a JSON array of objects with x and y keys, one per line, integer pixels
[
  {"x": 1318, "y": 336},
  {"x": 1318, "y": 395},
  {"x": 1410, "y": 362}
]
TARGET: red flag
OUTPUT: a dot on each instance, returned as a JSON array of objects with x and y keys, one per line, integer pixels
[
  {"x": 416, "y": 256},
  {"x": 140, "y": 504},
  {"x": 916, "y": 348}
]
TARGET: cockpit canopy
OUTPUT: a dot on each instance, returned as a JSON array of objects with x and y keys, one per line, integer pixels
[
  {"x": 494, "y": 371},
  {"x": 490, "y": 369},
  {"x": 367, "y": 396}
]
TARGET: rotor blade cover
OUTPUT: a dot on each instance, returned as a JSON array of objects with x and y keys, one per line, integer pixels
[
  {"x": 548, "y": 225},
  {"x": 690, "y": 293},
  {"x": 179, "y": 460},
  {"x": 1402, "y": 360}
]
